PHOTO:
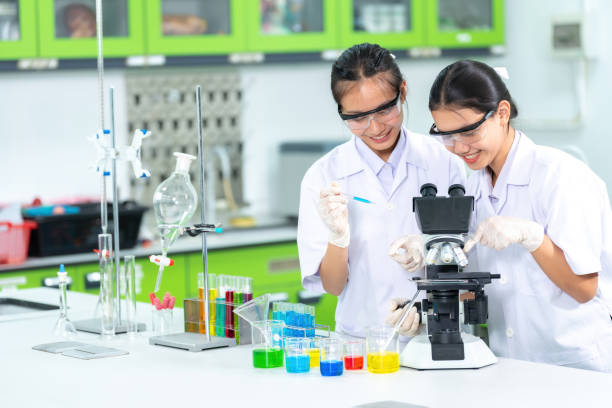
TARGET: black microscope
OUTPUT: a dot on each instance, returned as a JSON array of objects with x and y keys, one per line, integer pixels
[{"x": 446, "y": 221}]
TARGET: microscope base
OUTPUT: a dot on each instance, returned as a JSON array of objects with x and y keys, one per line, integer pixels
[{"x": 417, "y": 354}]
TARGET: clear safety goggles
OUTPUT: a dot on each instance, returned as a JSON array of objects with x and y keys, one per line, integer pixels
[
  {"x": 359, "y": 122},
  {"x": 466, "y": 135}
]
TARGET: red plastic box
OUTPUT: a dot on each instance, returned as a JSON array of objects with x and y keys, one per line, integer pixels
[{"x": 14, "y": 241}]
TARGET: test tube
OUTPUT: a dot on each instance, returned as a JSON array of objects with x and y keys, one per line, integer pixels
[
  {"x": 311, "y": 321},
  {"x": 107, "y": 286},
  {"x": 201, "y": 289},
  {"x": 129, "y": 279},
  {"x": 275, "y": 311},
  {"x": 229, "y": 309},
  {"x": 248, "y": 289},
  {"x": 238, "y": 295},
  {"x": 212, "y": 302},
  {"x": 222, "y": 279}
]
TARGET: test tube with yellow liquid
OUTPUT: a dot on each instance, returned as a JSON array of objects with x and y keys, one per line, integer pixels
[
  {"x": 212, "y": 304},
  {"x": 201, "y": 289},
  {"x": 382, "y": 350}
]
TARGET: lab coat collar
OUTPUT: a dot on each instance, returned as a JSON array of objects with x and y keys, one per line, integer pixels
[
  {"x": 516, "y": 171},
  {"x": 351, "y": 161},
  {"x": 519, "y": 172},
  {"x": 414, "y": 152}
]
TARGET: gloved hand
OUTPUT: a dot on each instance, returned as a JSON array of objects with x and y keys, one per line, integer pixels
[
  {"x": 411, "y": 326},
  {"x": 334, "y": 212},
  {"x": 499, "y": 232},
  {"x": 408, "y": 252}
]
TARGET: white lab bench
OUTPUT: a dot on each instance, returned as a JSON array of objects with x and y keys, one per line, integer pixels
[{"x": 165, "y": 377}]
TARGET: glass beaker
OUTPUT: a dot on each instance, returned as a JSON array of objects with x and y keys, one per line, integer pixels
[
  {"x": 382, "y": 350},
  {"x": 267, "y": 343},
  {"x": 297, "y": 354},
  {"x": 331, "y": 357},
  {"x": 353, "y": 354},
  {"x": 162, "y": 321}
]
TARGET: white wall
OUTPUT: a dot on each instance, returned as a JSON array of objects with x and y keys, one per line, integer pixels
[{"x": 45, "y": 117}]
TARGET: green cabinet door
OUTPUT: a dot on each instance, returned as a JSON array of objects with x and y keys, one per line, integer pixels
[
  {"x": 394, "y": 24},
  {"x": 28, "y": 278},
  {"x": 17, "y": 29},
  {"x": 195, "y": 27},
  {"x": 465, "y": 23},
  {"x": 67, "y": 29},
  {"x": 292, "y": 26}
]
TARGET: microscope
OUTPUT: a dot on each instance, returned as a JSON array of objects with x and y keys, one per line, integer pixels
[{"x": 445, "y": 221}]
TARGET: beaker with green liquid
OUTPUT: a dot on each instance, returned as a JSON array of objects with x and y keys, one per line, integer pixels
[{"x": 267, "y": 339}]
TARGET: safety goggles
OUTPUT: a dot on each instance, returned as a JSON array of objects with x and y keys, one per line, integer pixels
[
  {"x": 385, "y": 113},
  {"x": 466, "y": 135}
]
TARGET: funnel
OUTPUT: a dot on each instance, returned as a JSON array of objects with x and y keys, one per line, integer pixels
[{"x": 255, "y": 310}]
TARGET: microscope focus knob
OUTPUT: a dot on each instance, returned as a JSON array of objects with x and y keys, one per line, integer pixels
[
  {"x": 456, "y": 190},
  {"x": 429, "y": 190}
]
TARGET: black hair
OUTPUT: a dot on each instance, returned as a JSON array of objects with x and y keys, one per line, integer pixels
[
  {"x": 363, "y": 61},
  {"x": 470, "y": 84}
]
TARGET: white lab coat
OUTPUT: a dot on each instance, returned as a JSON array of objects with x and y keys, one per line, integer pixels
[
  {"x": 531, "y": 318},
  {"x": 374, "y": 278}
]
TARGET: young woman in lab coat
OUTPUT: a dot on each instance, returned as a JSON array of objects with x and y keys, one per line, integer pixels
[
  {"x": 343, "y": 244},
  {"x": 542, "y": 221}
]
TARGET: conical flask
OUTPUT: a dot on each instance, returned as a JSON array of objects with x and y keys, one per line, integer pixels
[{"x": 174, "y": 201}]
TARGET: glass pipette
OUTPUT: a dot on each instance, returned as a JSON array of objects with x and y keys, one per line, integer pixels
[
  {"x": 404, "y": 315},
  {"x": 356, "y": 198}
]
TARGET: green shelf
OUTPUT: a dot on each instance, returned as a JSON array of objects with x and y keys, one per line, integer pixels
[
  {"x": 24, "y": 46},
  {"x": 386, "y": 29},
  {"x": 123, "y": 35},
  {"x": 446, "y": 33},
  {"x": 312, "y": 28},
  {"x": 232, "y": 39}
]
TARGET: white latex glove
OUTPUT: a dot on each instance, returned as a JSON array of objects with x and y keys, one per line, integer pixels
[
  {"x": 499, "y": 232},
  {"x": 411, "y": 326},
  {"x": 334, "y": 212},
  {"x": 408, "y": 252}
]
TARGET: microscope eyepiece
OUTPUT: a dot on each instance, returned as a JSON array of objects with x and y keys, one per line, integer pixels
[
  {"x": 456, "y": 190},
  {"x": 429, "y": 190}
]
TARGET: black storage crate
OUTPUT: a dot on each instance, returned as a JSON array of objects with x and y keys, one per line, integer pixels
[{"x": 77, "y": 233}]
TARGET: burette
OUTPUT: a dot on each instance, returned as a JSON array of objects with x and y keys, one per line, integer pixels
[{"x": 109, "y": 155}]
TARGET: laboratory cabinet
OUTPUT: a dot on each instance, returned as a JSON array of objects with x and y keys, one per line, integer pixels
[
  {"x": 394, "y": 24},
  {"x": 67, "y": 28},
  {"x": 292, "y": 25},
  {"x": 30, "y": 278},
  {"x": 465, "y": 23},
  {"x": 18, "y": 35},
  {"x": 195, "y": 27}
]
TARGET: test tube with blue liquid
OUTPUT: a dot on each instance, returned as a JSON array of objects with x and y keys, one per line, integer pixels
[{"x": 221, "y": 306}]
